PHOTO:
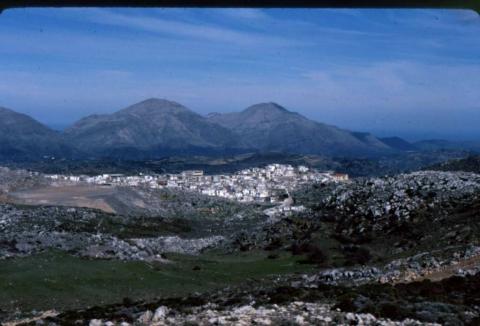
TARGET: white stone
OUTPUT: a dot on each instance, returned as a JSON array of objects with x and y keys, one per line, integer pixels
[
  {"x": 243, "y": 310},
  {"x": 146, "y": 317},
  {"x": 95, "y": 322},
  {"x": 262, "y": 321},
  {"x": 299, "y": 320},
  {"x": 160, "y": 313}
]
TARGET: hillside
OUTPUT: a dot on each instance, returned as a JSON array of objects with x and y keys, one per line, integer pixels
[
  {"x": 23, "y": 138},
  {"x": 468, "y": 164},
  {"x": 271, "y": 127},
  {"x": 399, "y": 143},
  {"x": 366, "y": 247},
  {"x": 152, "y": 127},
  {"x": 441, "y": 144}
]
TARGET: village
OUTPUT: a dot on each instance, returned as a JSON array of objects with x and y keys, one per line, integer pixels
[{"x": 269, "y": 184}]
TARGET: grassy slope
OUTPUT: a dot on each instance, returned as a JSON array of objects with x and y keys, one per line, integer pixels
[{"x": 60, "y": 281}]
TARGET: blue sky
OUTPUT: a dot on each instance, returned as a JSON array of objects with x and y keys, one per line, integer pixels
[{"x": 412, "y": 73}]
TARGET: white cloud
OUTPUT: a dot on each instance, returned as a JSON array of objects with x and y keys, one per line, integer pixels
[
  {"x": 398, "y": 85},
  {"x": 243, "y": 13},
  {"x": 178, "y": 28}
]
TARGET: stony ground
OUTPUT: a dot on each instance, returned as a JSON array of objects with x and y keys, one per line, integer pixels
[
  {"x": 295, "y": 313},
  {"x": 30, "y": 230},
  {"x": 401, "y": 249}
]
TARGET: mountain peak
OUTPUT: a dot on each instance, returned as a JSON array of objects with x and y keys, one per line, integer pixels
[
  {"x": 157, "y": 101},
  {"x": 265, "y": 113},
  {"x": 151, "y": 126},
  {"x": 154, "y": 105},
  {"x": 266, "y": 107}
]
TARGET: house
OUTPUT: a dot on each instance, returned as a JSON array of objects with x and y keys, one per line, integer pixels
[{"x": 340, "y": 177}]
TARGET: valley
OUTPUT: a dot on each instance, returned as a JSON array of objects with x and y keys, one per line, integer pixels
[{"x": 137, "y": 254}]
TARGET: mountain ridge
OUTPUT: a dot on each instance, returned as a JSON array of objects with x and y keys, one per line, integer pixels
[
  {"x": 156, "y": 128},
  {"x": 269, "y": 126}
]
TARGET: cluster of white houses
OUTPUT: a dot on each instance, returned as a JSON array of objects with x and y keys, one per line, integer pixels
[{"x": 268, "y": 184}]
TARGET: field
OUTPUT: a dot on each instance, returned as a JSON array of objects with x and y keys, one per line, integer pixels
[
  {"x": 55, "y": 280},
  {"x": 78, "y": 195}
]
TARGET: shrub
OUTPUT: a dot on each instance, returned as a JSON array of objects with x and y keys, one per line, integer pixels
[
  {"x": 356, "y": 255},
  {"x": 314, "y": 254}
]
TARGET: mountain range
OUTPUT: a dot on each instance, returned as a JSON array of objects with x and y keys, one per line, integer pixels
[{"x": 157, "y": 128}]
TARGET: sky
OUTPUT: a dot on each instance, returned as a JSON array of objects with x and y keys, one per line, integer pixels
[{"x": 408, "y": 73}]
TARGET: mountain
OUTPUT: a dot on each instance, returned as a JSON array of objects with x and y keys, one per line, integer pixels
[
  {"x": 441, "y": 144},
  {"x": 157, "y": 128},
  {"x": 154, "y": 127},
  {"x": 398, "y": 143},
  {"x": 435, "y": 144},
  {"x": 271, "y": 127},
  {"x": 23, "y": 138}
]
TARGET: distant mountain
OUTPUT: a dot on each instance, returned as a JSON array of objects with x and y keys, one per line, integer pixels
[
  {"x": 158, "y": 128},
  {"x": 271, "y": 127},
  {"x": 435, "y": 144},
  {"x": 23, "y": 138},
  {"x": 441, "y": 144},
  {"x": 154, "y": 127},
  {"x": 399, "y": 143}
]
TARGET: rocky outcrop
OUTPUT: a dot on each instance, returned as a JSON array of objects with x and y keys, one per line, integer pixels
[
  {"x": 24, "y": 232},
  {"x": 377, "y": 203},
  {"x": 295, "y": 313}
]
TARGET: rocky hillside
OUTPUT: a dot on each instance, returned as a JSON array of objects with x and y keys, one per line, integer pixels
[
  {"x": 468, "y": 164},
  {"x": 271, "y": 127},
  {"x": 380, "y": 201},
  {"x": 376, "y": 219},
  {"x": 396, "y": 250}
]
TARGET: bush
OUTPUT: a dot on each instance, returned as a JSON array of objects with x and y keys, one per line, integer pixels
[
  {"x": 392, "y": 310},
  {"x": 274, "y": 244},
  {"x": 314, "y": 254},
  {"x": 356, "y": 255}
]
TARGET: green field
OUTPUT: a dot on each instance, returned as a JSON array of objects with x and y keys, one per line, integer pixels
[{"x": 61, "y": 281}]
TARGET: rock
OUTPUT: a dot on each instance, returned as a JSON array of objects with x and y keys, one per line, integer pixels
[
  {"x": 145, "y": 318},
  {"x": 300, "y": 320},
  {"x": 262, "y": 321},
  {"x": 160, "y": 313},
  {"x": 95, "y": 322},
  {"x": 243, "y": 310}
]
